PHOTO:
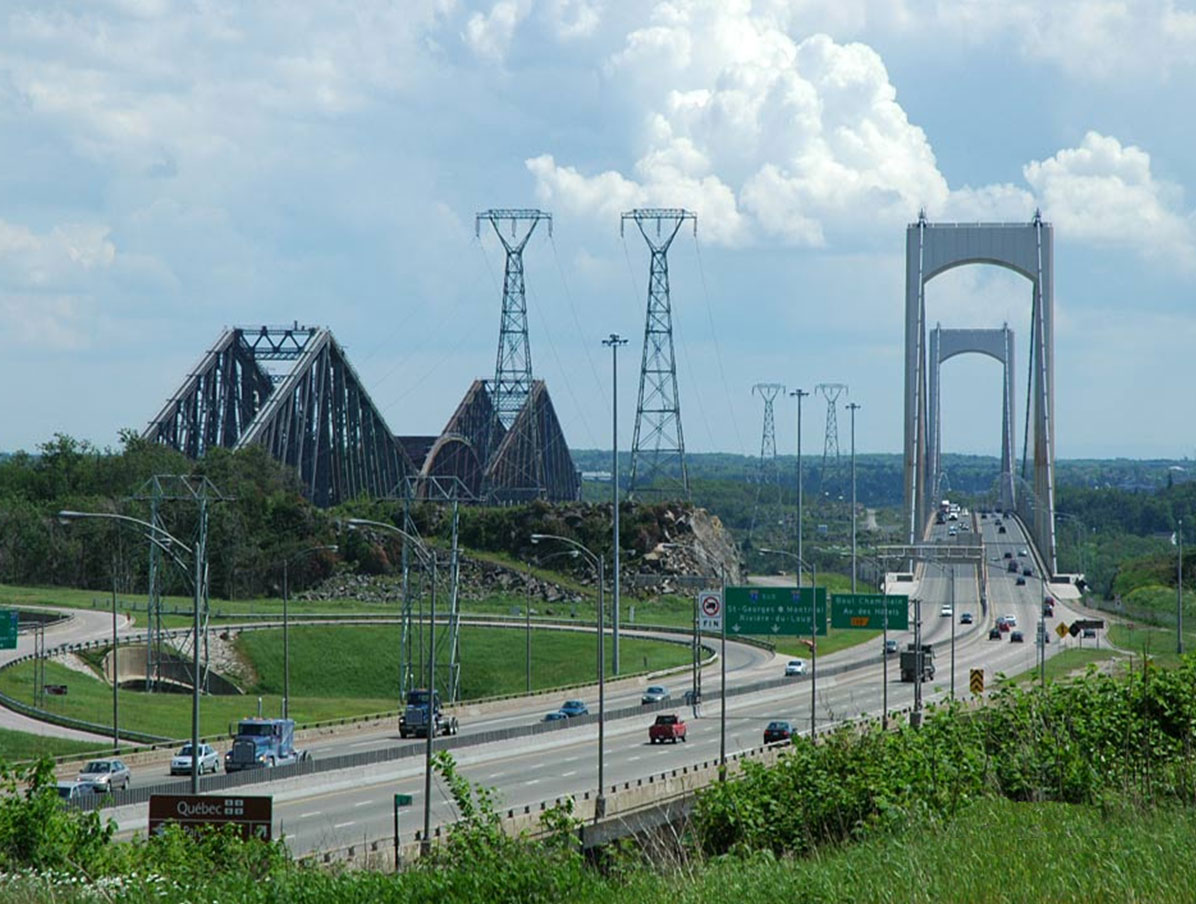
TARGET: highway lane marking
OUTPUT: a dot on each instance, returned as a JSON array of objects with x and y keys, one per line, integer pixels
[
  {"x": 567, "y": 774},
  {"x": 341, "y": 825},
  {"x": 364, "y": 803},
  {"x": 305, "y": 815},
  {"x": 632, "y": 759},
  {"x": 531, "y": 781},
  {"x": 496, "y": 775}
]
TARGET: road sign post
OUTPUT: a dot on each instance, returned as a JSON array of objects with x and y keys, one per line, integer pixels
[
  {"x": 868, "y": 611},
  {"x": 710, "y": 605},
  {"x": 401, "y": 800},
  {"x": 254, "y": 815},
  {"x": 9, "y": 622}
]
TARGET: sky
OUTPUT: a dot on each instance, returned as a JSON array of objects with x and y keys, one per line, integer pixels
[{"x": 170, "y": 168}]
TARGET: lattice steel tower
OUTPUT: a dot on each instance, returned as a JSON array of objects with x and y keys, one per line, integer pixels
[
  {"x": 832, "y": 468},
  {"x": 658, "y": 436},
  {"x": 768, "y": 475},
  {"x": 513, "y": 368}
]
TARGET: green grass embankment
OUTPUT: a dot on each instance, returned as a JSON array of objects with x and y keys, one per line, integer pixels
[{"x": 339, "y": 672}]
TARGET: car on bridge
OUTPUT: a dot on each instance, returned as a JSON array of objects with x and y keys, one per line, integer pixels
[
  {"x": 1021, "y": 581},
  {"x": 75, "y": 792},
  {"x": 105, "y": 775},
  {"x": 1001, "y": 529},
  {"x": 966, "y": 618},
  {"x": 1012, "y": 568},
  {"x": 1023, "y": 552},
  {"x": 890, "y": 647},
  {"x": 945, "y": 612},
  {"x": 209, "y": 760},
  {"x": 654, "y": 694},
  {"x": 1016, "y": 637},
  {"x": 994, "y": 634},
  {"x": 574, "y": 708},
  {"x": 670, "y": 727},
  {"x": 778, "y": 730},
  {"x": 1008, "y": 554},
  {"x": 1028, "y": 572},
  {"x": 795, "y": 667},
  {"x": 557, "y": 716}
]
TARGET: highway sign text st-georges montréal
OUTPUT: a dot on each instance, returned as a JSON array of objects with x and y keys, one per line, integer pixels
[{"x": 772, "y": 611}]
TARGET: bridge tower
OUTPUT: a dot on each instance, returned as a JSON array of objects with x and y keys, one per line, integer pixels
[
  {"x": 932, "y": 249},
  {"x": 658, "y": 444}
]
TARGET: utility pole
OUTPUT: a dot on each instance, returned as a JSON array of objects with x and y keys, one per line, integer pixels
[
  {"x": 658, "y": 436},
  {"x": 799, "y": 394},
  {"x": 853, "y": 408},
  {"x": 831, "y": 478},
  {"x": 614, "y": 341},
  {"x": 768, "y": 476}
]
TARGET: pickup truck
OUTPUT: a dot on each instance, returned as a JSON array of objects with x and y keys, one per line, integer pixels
[{"x": 666, "y": 728}]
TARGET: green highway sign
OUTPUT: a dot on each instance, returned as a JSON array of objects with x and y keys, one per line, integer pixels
[
  {"x": 403, "y": 800},
  {"x": 8, "y": 628},
  {"x": 774, "y": 610},
  {"x": 867, "y": 610}
]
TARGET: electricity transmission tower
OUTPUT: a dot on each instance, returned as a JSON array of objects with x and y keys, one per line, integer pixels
[
  {"x": 658, "y": 438},
  {"x": 513, "y": 368},
  {"x": 768, "y": 474},
  {"x": 832, "y": 467}
]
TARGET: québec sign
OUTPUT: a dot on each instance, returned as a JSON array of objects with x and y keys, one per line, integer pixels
[{"x": 254, "y": 815}]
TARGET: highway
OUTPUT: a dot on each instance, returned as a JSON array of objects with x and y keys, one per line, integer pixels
[{"x": 330, "y": 810}]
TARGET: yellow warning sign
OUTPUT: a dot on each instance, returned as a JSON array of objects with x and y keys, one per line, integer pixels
[
  {"x": 1061, "y": 629},
  {"x": 976, "y": 682}
]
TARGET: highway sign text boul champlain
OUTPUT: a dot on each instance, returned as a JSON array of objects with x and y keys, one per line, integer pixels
[
  {"x": 773, "y": 611},
  {"x": 867, "y": 610}
]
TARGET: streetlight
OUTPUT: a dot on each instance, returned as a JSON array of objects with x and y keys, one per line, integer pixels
[
  {"x": 162, "y": 538},
  {"x": 286, "y": 635},
  {"x": 799, "y": 394},
  {"x": 427, "y": 557},
  {"x": 801, "y": 563},
  {"x": 614, "y": 341},
  {"x": 600, "y": 564},
  {"x": 853, "y": 407}
]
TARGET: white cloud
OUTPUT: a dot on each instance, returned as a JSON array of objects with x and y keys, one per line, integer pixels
[
  {"x": 489, "y": 34},
  {"x": 1104, "y": 192}
]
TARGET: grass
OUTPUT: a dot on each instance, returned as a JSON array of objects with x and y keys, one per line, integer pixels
[
  {"x": 339, "y": 672},
  {"x": 1063, "y": 664},
  {"x": 1146, "y": 640},
  {"x": 21, "y": 745},
  {"x": 364, "y": 660},
  {"x": 993, "y": 852}
]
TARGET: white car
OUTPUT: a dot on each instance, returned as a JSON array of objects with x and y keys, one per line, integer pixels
[
  {"x": 945, "y": 612},
  {"x": 105, "y": 775},
  {"x": 1011, "y": 620},
  {"x": 655, "y": 694},
  {"x": 795, "y": 667},
  {"x": 209, "y": 760}
]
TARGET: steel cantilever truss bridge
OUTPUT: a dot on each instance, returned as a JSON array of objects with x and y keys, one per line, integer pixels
[{"x": 312, "y": 413}]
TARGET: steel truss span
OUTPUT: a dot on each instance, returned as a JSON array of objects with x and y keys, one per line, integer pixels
[
  {"x": 1027, "y": 249},
  {"x": 315, "y": 416}
]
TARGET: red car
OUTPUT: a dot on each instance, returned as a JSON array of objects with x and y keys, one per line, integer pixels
[{"x": 668, "y": 727}]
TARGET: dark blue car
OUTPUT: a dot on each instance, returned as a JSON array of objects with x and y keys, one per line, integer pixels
[{"x": 574, "y": 708}]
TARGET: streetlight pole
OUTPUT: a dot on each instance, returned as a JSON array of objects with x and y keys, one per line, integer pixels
[
  {"x": 428, "y": 558},
  {"x": 286, "y": 633},
  {"x": 614, "y": 341},
  {"x": 1179, "y": 591},
  {"x": 799, "y": 394},
  {"x": 953, "y": 630},
  {"x": 853, "y": 407},
  {"x": 115, "y": 668},
  {"x": 801, "y": 563},
  {"x": 599, "y": 564},
  {"x": 164, "y": 539}
]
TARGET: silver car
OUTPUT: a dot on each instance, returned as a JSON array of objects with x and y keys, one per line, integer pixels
[
  {"x": 209, "y": 760},
  {"x": 654, "y": 694},
  {"x": 105, "y": 775}
]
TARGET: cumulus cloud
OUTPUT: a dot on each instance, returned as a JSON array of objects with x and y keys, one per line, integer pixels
[
  {"x": 489, "y": 34},
  {"x": 767, "y": 137},
  {"x": 1104, "y": 192}
]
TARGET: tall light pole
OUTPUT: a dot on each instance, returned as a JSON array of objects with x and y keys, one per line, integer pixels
[
  {"x": 168, "y": 542},
  {"x": 427, "y": 557},
  {"x": 799, "y": 394},
  {"x": 286, "y": 634},
  {"x": 115, "y": 668},
  {"x": 614, "y": 341},
  {"x": 600, "y": 564},
  {"x": 801, "y": 563},
  {"x": 1179, "y": 591},
  {"x": 853, "y": 407}
]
